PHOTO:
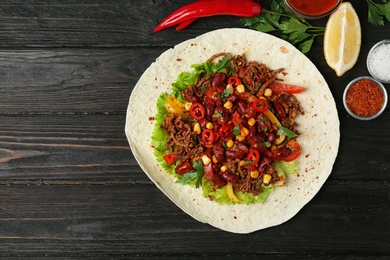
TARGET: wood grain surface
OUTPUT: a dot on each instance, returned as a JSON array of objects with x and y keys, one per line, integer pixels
[{"x": 70, "y": 186}]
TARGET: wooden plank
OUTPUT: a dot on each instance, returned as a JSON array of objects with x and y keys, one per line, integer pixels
[
  {"x": 67, "y": 148},
  {"x": 70, "y": 80},
  {"x": 138, "y": 220},
  {"x": 119, "y": 23}
]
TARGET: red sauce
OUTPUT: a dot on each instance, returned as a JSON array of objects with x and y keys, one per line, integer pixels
[{"x": 313, "y": 7}]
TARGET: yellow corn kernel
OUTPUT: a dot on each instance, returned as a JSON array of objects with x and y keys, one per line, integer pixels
[
  {"x": 197, "y": 128},
  {"x": 267, "y": 92},
  {"x": 209, "y": 125},
  {"x": 240, "y": 138},
  {"x": 206, "y": 160},
  {"x": 187, "y": 106},
  {"x": 251, "y": 121},
  {"x": 242, "y": 163},
  {"x": 244, "y": 131},
  {"x": 228, "y": 105},
  {"x": 240, "y": 88},
  {"x": 224, "y": 168},
  {"x": 266, "y": 178},
  {"x": 214, "y": 159},
  {"x": 229, "y": 143},
  {"x": 229, "y": 87},
  {"x": 254, "y": 174}
]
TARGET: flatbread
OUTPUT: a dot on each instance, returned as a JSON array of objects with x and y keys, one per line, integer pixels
[{"x": 318, "y": 127}]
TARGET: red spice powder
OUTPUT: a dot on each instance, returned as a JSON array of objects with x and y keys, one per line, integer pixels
[{"x": 364, "y": 98}]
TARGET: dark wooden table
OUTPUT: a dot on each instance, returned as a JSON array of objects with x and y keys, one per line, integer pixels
[{"x": 69, "y": 184}]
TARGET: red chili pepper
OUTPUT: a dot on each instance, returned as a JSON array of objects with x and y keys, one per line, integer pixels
[
  {"x": 235, "y": 81},
  {"x": 226, "y": 130},
  {"x": 171, "y": 158},
  {"x": 197, "y": 111},
  {"x": 260, "y": 105},
  {"x": 208, "y": 137},
  {"x": 236, "y": 118},
  {"x": 209, "y": 8},
  {"x": 254, "y": 157}
]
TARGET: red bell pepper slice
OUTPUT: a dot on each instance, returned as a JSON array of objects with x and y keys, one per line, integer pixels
[
  {"x": 197, "y": 111},
  {"x": 260, "y": 105},
  {"x": 296, "y": 151},
  {"x": 171, "y": 158},
  {"x": 254, "y": 157},
  {"x": 208, "y": 137},
  {"x": 234, "y": 81},
  {"x": 278, "y": 88}
]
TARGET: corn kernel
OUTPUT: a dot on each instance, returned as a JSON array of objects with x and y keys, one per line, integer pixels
[
  {"x": 242, "y": 163},
  {"x": 266, "y": 178},
  {"x": 229, "y": 143},
  {"x": 224, "y": 168},
  {"x": 187, "y": 106},
  {"x": 229, "y": 87},
  {"x": 251, "y": 121},
  {"x": 228, "y": 105},
  {"x": 254, "y": 174},
  {"x": 197, "y": 128},
  {"x": 209, "y": 125},
  {"x": 214, "y": 159},
  {"x": 267, "y": 92},
  {"x": 240, "y": 88},
  {"x": 206, "y": 160},
  {"x": 240, "y": 138},
  {"x": 244, "y": 131}
]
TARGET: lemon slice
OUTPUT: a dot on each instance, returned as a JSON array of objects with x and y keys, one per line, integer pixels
[{"x": 342, "y": 39}]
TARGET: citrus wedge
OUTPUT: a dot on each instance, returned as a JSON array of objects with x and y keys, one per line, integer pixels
[{"x": 342, "y": 39}]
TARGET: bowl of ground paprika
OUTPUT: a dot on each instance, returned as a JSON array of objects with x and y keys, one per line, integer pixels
[{"x": 365, "y": 98}]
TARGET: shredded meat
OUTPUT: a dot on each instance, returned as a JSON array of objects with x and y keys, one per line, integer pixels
[{"x": 256, "y": 76}]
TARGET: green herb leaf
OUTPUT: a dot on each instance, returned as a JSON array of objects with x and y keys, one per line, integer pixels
[
  {"x": 378, "y": 12},
  {"x": 295, "y": 30},
  {"x": 287, "y": 132},
  {"x": 236, "y": 130}
]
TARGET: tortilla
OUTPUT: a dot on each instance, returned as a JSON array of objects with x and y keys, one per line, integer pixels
[{"x": 318, "y": 127}]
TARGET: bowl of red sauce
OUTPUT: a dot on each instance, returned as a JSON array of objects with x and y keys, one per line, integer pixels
[
  {"x": 365, "y": 98},
  {"x": 312, "y": 9}
]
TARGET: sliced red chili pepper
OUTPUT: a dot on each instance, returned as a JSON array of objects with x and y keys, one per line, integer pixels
[
  {"x": 296, "y": 151},
  {"x": 253, "y": 157},
  {"x": 208, "y": 137},
  {"x": 260, "y": 105},
  {"x": 236, "y": 118},
  {"x": 209, "y": 8},
  {"x": 197, "y": 111},
  {"x": 234, "y": 81},
  {"x": 278, "y": 88},
  {"x": 226, "y": 130},
  {"x": 171, "y": 158}
]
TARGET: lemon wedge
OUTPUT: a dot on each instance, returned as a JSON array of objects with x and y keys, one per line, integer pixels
[{"x": 342, "y": 39}]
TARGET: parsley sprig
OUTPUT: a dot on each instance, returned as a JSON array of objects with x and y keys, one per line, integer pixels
[
  {"x": 295, "y": 30},
  {"x": 377, "y": 12}
]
